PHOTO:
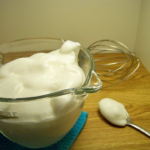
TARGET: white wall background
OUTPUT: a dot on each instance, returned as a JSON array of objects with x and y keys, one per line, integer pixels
[
  {"x": 142, "y": 48},
  {"x": 85, "y": 21}
]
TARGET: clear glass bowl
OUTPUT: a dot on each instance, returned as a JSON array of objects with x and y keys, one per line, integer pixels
[{"x": 41, "y": 132}]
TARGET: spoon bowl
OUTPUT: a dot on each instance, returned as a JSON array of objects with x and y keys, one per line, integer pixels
[{"x": 116, "y": 113}]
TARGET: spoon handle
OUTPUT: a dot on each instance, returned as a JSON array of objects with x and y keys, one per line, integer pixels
[{"x": 139, "y": 128}]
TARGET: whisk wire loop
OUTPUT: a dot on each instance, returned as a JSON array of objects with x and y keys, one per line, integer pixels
[{"x": 117, "y": 62}]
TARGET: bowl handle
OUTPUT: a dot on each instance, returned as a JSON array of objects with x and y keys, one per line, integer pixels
[
  {"x": 98, "y": 85},
  {"x": 90, "y": 89}
]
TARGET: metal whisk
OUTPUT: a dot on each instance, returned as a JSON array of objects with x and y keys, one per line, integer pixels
[{"x": 112, "y": 72}]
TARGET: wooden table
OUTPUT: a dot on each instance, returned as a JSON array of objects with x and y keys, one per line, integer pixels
[{"x": 99, "y": 134}]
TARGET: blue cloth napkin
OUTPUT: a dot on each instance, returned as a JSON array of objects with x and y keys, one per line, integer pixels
[{"x": 63, "y": 144}]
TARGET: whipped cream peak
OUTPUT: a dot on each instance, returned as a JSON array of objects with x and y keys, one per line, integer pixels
[{"x": 69, "y": 46}]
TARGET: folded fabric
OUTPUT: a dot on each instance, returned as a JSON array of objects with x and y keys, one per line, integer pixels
[{"x": 63, "y": 144}]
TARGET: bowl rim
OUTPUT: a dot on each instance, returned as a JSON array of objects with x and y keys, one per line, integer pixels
[{"x": 84, "y": 89}]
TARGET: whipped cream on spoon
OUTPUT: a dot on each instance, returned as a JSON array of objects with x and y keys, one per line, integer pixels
[{"x": 116, "y": 113}]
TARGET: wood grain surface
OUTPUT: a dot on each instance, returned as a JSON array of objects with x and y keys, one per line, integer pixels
[{"x": 99, "y": 134}]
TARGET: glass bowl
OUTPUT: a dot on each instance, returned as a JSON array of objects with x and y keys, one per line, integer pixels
[{"x": 32, "y": 126}]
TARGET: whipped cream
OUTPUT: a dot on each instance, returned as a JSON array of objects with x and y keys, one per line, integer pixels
[
  {"x": 41, "y": 122},
  {"x": 42, "y": 73},
  {"x": 113, "y": 111}
]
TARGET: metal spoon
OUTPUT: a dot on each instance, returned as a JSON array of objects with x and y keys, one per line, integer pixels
[
  {"x": 136, "y": 126},
  {"x": 116, "y": 113}
]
